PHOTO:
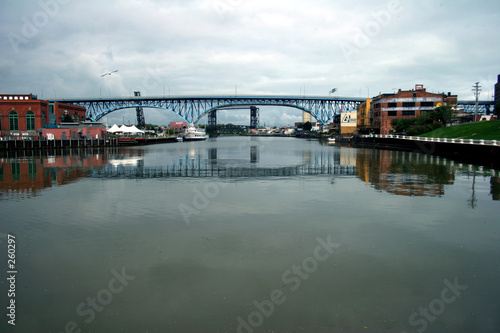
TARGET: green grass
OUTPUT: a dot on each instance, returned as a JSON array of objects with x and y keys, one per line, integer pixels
[{"x": 485, "y": 130}]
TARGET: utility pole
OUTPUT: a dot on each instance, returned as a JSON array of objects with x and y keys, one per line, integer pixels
[{"x": 476, "y": 89}]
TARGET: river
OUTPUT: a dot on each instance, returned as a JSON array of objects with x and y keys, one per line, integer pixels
[{"x": 248, "y": 234}]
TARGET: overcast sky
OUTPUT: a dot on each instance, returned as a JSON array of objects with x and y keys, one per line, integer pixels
[{"x": 60, "y": 48}]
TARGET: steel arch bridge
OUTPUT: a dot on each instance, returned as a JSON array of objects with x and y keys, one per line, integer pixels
[{"x": 191, "y": 109}]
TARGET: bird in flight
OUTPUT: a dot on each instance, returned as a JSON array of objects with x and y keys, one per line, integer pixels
[{"x": 109, "y": 73}]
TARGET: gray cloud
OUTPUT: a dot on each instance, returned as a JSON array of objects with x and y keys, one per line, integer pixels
[{"x": 60, "y": 48}]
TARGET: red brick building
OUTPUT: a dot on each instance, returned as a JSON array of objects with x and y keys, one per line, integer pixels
[
  {"x": 404, "y": 104},
  {"x": 24, "y": 114},
  {"x": 87, "y": 130}
]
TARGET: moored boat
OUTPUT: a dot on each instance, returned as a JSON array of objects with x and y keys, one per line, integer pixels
[{"x": 193, "y": 133}]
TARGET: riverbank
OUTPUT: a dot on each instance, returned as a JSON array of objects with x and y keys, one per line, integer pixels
[
  {"x": 487, "y": 130},
  {"x": 6, "y": 145},
  {"x": 482, "y": 152}
]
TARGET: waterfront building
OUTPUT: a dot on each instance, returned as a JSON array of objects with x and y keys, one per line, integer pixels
[
  {"x": 405, "y": 104},
  {"x": 178, "y": 126},
  {"x": 81, "y": 130},
  {"x": 348, "y": 123},
  {"x": 22, "y": 115},
  {"x": 363, "y": 117}
]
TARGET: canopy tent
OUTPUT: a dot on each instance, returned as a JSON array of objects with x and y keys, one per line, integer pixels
[
  {"x": 126, "y": 129},
  {"x": 134, "y": 130},
  {"x": 113, "y": 129}
]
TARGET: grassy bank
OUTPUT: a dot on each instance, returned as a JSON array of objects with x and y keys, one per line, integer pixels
[{"x": 486, "y": 130}]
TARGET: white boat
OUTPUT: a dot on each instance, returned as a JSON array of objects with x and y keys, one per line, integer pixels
[
  {"x": 179, "y": 138},
  {"x": 331, "y": 140},
  {"x": 194, "y": 134}
]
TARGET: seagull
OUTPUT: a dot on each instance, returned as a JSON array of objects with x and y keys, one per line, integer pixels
[{"x": 109, "y": 73}]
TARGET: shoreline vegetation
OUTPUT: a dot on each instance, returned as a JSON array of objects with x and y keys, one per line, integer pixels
[{"x": 485, "y": 130}]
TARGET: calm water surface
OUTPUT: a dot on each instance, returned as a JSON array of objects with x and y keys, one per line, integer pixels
[{"x": 245, "y": 234}]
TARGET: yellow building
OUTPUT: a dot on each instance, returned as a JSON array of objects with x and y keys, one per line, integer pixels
[{"x": 363, "y": 121}]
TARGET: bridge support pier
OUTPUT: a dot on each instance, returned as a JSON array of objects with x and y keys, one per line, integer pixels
[
  {"x": 254, "y": 117},
  {"x": 141, "y": 121},
  {"x": 212, "y": 121}
]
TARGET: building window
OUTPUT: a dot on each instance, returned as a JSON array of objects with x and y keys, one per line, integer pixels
[
  {"x": 427, "y": 104},
  {"x": 0, "y": 121},
  {"x": 392, "y": 113},
  {"x": 13, "y": 121},
  {"x": 32, "y": 170},
  {"x": 392, "y": 105},
  {"x": 15, "y": 170},
  {"x": 30, "y": 121},
  {"x": 409, "y": 113},
  {"x": 408, "y": 104}
]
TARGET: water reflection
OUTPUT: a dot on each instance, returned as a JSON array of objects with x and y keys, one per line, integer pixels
[
  {"x": 405, "y": 173},
  {"x": 25, "y": 176},
  {"x": 395, "y": 172}
]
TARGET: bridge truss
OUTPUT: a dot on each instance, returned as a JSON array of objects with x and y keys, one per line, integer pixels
[
  {"x": 192, "y": 109},
  {"x": 484, "y": 107}
]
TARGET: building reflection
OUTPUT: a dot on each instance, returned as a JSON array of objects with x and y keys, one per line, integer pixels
[
  {"x": 27, "y": 176},
  {"x": 404, "y": 173},
  {"x": 495, "y": 188}
]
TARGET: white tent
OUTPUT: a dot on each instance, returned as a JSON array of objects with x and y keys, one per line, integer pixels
[
  {"x": 129, "y": 130},
  {"x": 113, "y": 129},
  {"x": 134, "y": 130}
]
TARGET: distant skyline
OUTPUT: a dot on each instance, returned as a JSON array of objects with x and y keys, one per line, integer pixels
[{"x": 63, "y": 48}]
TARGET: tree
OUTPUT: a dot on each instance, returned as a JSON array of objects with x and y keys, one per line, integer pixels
[
  {"x": 442, "y": 114},
  {"x": 402, "y": 124}
]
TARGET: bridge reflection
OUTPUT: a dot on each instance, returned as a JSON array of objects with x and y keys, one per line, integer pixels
[
  {"x": 395, "y": 172},
  {"x": 194, "y": 165}
]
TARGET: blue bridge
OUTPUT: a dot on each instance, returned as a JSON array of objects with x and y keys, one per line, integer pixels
[{"x": 191, "y": 109}]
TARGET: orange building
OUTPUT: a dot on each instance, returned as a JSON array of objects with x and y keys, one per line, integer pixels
[
  {"x": 405, "y": 104},
  {"x": 23, "y": 114}
]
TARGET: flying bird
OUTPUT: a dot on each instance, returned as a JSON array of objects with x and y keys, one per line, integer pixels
[{"x": 109, "y": 73}]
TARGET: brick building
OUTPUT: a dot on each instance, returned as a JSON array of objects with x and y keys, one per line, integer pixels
[
  {"x": 24, "y": 114},
  {"x": 405, "y": 104},
  {"x": 497, "y": 92}
]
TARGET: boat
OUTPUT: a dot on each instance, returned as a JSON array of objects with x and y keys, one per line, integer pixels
[
  {"x": 179, "y": 138},
  {"x": 193, "y": 133},
  {"x": 331, "y": 140}
]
